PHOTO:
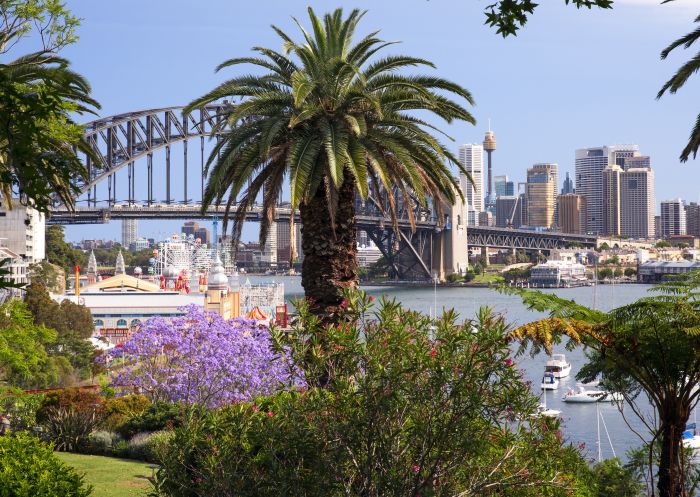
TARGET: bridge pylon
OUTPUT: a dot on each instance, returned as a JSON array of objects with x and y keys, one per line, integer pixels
[{"x": 451, "y": 244}]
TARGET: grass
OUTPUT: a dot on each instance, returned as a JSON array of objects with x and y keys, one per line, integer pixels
[
  {"x": 488, "y": 277},
  {"x": 109, "y": 476}
]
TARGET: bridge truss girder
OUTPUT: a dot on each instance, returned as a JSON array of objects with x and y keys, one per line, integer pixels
[
  {"x": 524, "y": 240},
  {"x": 408, "y": 254}
]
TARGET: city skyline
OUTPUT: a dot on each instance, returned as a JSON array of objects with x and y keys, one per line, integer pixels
[{"x": 560, "y": 112}]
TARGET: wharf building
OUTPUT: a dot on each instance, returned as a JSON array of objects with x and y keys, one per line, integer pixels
[
  {"x": 471, "y": 157},
  {"x": 673, "y": 218},
  {"x": 656, "y": 271},
  {"x": 542, "y": 195},
  {"x": 558, "y": 273}
]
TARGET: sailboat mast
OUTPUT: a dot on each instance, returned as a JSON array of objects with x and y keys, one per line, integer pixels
[{"x": 597, "y": 412}]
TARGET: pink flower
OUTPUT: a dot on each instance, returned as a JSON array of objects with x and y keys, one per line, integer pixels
[
  {"x": 255, "y": 408},
  {"x": 416, "y": 468},
  {"x": 269, "y": 414},
  {"x": 509, "y": 362},
  {"x": 433, "y": 352},
  {"x": 371, "y": 298},
  {"x": 344, "y": 303}
]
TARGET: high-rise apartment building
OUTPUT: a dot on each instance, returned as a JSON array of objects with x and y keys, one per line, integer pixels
[
  {"x": 637, "y": 203},
  {"x": 471, "y": 156},
  {"x": 590, "y": 163},
  {"x": 541, "y": 195},
  {"x": 611, "y": 200},
  {"x": 503, "y": 187},
  {"x": 572, "y": 214},
  {"x": 568, "y": 186},
  {"x": 130, "y": 231},
  {"x": 23, "y": 231},
  {"x": 673, "y": 219},
  {"x": 692, "y": 219},
  {"x": 269, "y": 250}
]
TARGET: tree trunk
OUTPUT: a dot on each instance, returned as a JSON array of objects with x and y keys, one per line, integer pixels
[
  {"x": 671, "y": 463},
  {"x": 330, "y": 263}
]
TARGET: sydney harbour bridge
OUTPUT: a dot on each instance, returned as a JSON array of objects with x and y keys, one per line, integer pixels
[{"x": 145, "y": 156}]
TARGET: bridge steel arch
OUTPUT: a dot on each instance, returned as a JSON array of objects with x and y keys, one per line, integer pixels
[{"x": 120, "y": 140}]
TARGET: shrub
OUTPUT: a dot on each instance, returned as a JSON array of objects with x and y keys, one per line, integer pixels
[
  {"x": 118, "y": 410},
  {"x": 454, "y": 278},
  {"x": 157, "y": 446},
  {"x": 29, "y": 468},
  {"x": 408, "y": 406},
  {"x": 156, "y": 417},
  {"x": 136, "y": 446},
  {"x": 70, "y": 429},
  {"x": 20, "y": 408},
  {"x": 68, "y": 417},
  {"x": 73, "y": 399},
  {"x": 102, "y": 442}
]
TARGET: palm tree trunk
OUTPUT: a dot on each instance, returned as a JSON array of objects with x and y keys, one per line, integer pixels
[{"x": 329, "y": 264}]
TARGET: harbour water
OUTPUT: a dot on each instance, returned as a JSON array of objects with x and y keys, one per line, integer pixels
[{"x": 579, "y": 420}]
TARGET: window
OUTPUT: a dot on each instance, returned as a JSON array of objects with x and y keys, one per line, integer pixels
[
  {"x": 135, "y": 322},
  {"x": 99, "y": 322},
  {"x": 121, "y": 323}
]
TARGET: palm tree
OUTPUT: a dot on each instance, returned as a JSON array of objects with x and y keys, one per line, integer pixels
[
  {"x": 38, "y": 137},
  {"x": 334, "y": 125},
  {"x": 677, "y": 82}
]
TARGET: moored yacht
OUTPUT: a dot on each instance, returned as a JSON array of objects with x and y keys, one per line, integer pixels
[
  {"x": 549, "y": 382},
  {"x": 558, "y": 366}
]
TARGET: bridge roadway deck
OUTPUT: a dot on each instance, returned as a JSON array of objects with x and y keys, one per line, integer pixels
[{"x": 478, "y": 236}]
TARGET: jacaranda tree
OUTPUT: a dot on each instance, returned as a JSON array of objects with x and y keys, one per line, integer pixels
[
  {"x": 334, "y": 123},
  {"x": 200, "y": 358}
]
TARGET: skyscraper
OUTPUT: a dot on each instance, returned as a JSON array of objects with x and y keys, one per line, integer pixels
[
  {"x": 471, "y": 156},
  {"x": 502, "y": 187},
  {"x": 673, "y": 219},
  {"x": 611, "y": 200},
  {"x": 568, "y": 185},
  {"x": 193, "y": 228},
  {"x": 638, "y": 203},
  {"x": 505, "y": 211},
  {"x": 590, "y": 163},
  {"x": 692, "y": 219},
  {"x": 542, "y": 195},
  {"x": 130, "y": 231},
  {"x": 572, "y": 213}
]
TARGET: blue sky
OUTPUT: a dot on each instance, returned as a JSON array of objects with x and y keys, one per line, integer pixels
[{"x": 571, "y": 79}]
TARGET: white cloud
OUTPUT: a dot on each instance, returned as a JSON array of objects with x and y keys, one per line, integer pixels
[{"x": 677, "y": 4}]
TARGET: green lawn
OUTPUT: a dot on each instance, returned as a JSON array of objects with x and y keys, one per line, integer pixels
[
  {"x": 488, "y": 277},
  {"x": 109, "y": 476}
]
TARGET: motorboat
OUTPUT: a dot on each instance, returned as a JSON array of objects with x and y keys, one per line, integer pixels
[
  {"x": 580, "y": 396},
  {"x": 691, "y": 440},
  {"x": 558, "y": 366},
  {"x": 549, "y": 382}
]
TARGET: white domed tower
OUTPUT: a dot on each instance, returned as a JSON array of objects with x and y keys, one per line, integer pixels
[
  {"x": 119, "y": 267},
  {"x": 217, "y": 282},
  {"x": 92, "y": 269}
]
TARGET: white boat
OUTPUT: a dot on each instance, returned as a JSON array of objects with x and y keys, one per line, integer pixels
[
  {"x": 543, "y": 411},
  {"x": 549, "y": 382},
  {"x": 580, "y": 396},
  {"x": 558, "y": 366}
]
